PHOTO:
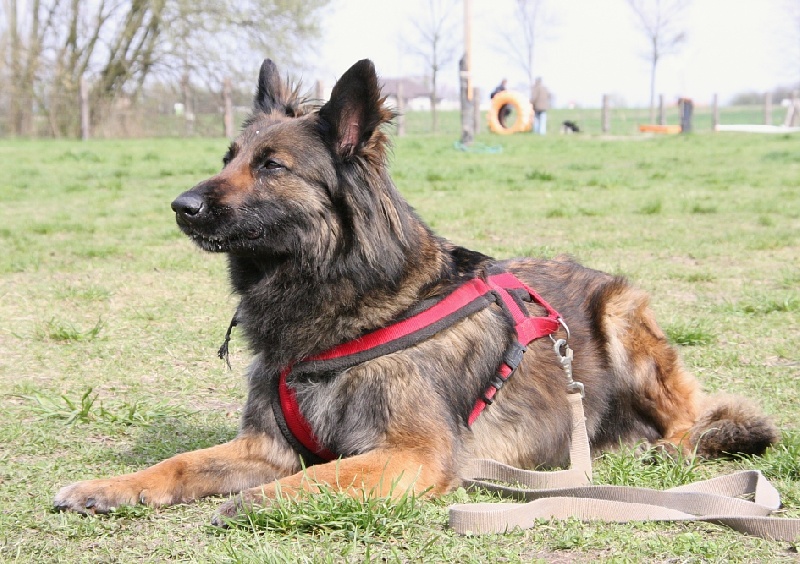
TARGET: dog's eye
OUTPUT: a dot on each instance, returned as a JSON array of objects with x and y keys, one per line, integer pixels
[{"x": 272, "y": 164}]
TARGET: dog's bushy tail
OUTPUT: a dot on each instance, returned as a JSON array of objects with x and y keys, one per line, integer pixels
[{"x": 731, "y": 425}]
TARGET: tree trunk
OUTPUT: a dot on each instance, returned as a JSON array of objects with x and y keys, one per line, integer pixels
[
  {"x": 32, "y": 63},
  {"x": 84, "y": 101},
  {"x": 15, "y": 54}
]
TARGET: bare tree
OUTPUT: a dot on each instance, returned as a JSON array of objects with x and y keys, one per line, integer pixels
[
  {"x": 68, "y": 38},
  {"x": 24, "y": 35},
  {"x": 253, "y": 29},
  {"x": 438, "y": 43},
  {"x": 792, "y": 33},
  {"x": 534, "y": 19},
  {"x": 662, "y": 22},
  {"x": 49, "y": 45}
]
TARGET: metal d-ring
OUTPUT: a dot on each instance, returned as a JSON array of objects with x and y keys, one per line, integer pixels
[
  {"x": 560, "y": 321},
  {"x": 563, "y": 324}
]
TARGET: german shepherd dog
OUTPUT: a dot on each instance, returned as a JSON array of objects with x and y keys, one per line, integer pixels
[{"x": 322, "y": 250}]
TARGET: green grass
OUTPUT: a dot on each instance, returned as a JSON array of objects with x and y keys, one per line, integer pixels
[
  {"x": 110, "y": 321},
  {"x": 689, "y": 333},
  {"x": 329, "y": 510},
  {"x": 87, "y": 410}
]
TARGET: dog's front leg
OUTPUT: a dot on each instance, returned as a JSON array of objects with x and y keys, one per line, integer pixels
[
  {"x": 231, "y": 467},
  {"x": 379, "y": 473}
]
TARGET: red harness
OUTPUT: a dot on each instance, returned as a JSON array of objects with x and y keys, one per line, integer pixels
[{"x": 421, "y": 323}]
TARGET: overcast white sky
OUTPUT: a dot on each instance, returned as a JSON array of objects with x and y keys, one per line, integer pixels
[{"x": 596, "y": 48}]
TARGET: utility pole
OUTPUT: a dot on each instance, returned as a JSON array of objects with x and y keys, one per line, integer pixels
[
  {"x": 468, "y": 45},
  {"x": 465, "y": 80}
]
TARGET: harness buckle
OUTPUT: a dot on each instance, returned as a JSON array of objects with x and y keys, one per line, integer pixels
[
  {"x": 498, "y": 381},
  {"x": 513, "y": 355}
]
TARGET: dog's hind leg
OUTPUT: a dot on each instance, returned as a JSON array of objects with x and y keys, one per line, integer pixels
[
  {"x": 647, "y": 370},
  {"x": 241, "y": 463},
  {"x": 378, "y": 473},
  {"x": 665, "y": 394}
]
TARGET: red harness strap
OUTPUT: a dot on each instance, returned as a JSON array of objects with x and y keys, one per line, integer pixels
[
  {"x": 297, "y": 425},
  {"x": 528, "y": 329},
  {"x": 470, "y": 297}
]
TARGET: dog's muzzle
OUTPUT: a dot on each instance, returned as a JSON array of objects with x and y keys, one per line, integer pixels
[{"x": 188, "y": 206}]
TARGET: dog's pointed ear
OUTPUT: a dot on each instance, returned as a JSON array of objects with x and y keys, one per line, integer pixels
[
  {"x": 272, "y": 93},
  {"x": 355, "y": 110}
]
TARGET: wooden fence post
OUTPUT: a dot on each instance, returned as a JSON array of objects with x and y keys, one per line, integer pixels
[
  {"x": 188, "y": 110},
  {"x": 715, "y": 113},
  {"x": 793, "y": 112},
  {"x": 319, "y": 91},
  {"x": 467, "y": 113},
  {"x": 662, "y": 118},
  {"x": 228, "y": 105},
  {"x": 84, "y": 94},
  {"x": 605, "y": 115},
  {"x": 401, "y": 109},
  {"x": 768, "y": 108},
  {"x": 476, "y": 107},
  {"x": 686, "y": 108}
]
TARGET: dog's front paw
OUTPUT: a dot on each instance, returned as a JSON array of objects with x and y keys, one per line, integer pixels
[
  {"x": 104, "y": 496},
  {"x": 97, "y": 496}
]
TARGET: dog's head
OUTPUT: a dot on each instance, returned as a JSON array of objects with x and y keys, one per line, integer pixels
[{"x": 300, "y": 183}]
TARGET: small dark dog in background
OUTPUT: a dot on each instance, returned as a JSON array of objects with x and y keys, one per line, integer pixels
[{"x": 568, "y": 126}]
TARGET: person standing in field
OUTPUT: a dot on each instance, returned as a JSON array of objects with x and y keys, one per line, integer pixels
[
  {"x": 505, "y": 110},
  {"x": 540, "y": 100}
]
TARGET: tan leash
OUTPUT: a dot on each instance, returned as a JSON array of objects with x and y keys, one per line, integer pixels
[{"x": 742, "y": 501}]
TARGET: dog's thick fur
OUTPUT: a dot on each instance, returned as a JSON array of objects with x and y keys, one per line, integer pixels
[{"x": 322, "y": 249}]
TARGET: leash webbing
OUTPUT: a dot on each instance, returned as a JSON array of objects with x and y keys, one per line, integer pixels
[{"x": 567, "y": 494}]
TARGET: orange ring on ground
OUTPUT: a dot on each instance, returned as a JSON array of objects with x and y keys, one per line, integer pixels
[{"x": 520, "y": 103}]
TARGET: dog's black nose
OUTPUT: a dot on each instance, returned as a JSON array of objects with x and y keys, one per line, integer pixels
[{"x": 188, "y": 204}]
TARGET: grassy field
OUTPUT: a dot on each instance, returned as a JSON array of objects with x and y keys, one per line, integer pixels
[{"x": 110, "y": 321}]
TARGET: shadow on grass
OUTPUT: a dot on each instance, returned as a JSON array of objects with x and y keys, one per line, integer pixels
[
  {"x": 152, "y": 430},
  {"x": 165, "y": 438}
]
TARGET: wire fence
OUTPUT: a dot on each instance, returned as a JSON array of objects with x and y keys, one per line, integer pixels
[{"x": 165, "y": 115}]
